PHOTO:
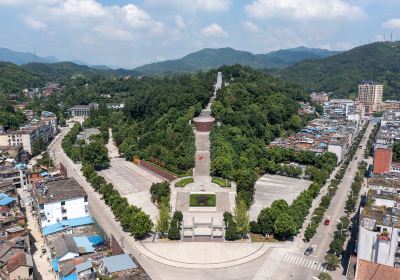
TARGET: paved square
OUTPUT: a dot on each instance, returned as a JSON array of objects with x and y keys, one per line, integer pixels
[
  {"x": 133, "y": 183},
  {"x": 272, "y": 187}
]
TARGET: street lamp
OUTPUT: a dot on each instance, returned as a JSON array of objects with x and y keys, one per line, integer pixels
[
  {"x": 341, "y": 228},
  {"x": 351, "y": 193}
]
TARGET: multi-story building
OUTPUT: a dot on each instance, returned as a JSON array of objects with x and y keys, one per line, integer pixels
[
  {"x": 319, "y": 97},
  {"x": 59, "y": 201},
  {"x": 382, "y": 159},
  {"x": 45, "y": 128},
  {"x": 370, "y": 96},
  {"x": 379, "y": 230},
  {"x": 339, "y": 144},
  {"x": 17, "y": 175}
]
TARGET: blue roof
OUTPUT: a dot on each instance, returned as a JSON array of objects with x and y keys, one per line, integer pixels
[
  {"x": 5, "y": 199},
  {"x": 67, "y": 223},
  {"x": 84, "y": 245},
  {"x": 83, "y": 266},
  {"x": 20, "y": 165},
  {"x": 96, "y": 240},
  {"x": 54, "y": 264},
  {"x": 44, "y": 174},
  {"x": 118, "y": 263},
  {"x": 72, "y": 276}
]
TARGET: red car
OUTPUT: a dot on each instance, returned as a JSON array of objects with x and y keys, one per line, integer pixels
[{"x": 327, "y": 221}]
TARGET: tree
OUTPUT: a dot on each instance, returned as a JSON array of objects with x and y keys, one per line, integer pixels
[
  {"x": 242, "y": 218},
  {"x": 284, "y": 226},
  {"x": 332, "y": 261},
  {"x": 231, "y": 230},
  {"x": 140, "y": 225},
  {"x": 174, "y": 230},
  {"x": 324, "y": 276},
  {"x": 396, "y": 151},
  {"x": 266, "y": 220},
  {"x": 160, "y": 191},
  {"x": 255, "y": 227},
  {"x": 162, "y": 225},
  {"x": 178, "y": 216},
  {"x": 96, "y": 154},
  {"x": 38, "y": 146}
]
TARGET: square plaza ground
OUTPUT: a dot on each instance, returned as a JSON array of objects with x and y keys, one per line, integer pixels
[{"x": 272, "y": 187}]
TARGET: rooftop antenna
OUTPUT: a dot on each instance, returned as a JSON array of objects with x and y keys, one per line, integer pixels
[{"x": 391, "y": 36}]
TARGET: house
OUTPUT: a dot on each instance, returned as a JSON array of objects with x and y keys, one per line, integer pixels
[
  {"x": 61, "y": 202},
  {"x": 20, "y": 266},
  {"x": 373, "y": 271},
  {"x": 64, "y": 248},
  {"x": 82, "y": 110},
  {"x": 118, "y": 263},
  {"x": 84, "y": 269}
]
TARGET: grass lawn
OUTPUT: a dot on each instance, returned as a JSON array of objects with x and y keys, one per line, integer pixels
[
  {"x": 184, "y": 182},
  {"x": 221, "y": 182},
  {"x": 202, "y": 200},
  {"x": 261, "y": 238}
]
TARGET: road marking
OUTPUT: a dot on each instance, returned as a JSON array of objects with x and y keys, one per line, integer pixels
[
  {"x": 307, "y": 262},
  {"x": 271, "y": 264}
]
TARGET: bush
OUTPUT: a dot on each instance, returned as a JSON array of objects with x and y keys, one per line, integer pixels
[
  {"x": 178, "y": 216},
  {"x": 255, "y": 227},
  {"x": 160, "y": 191},
  {"x": 174, "y": 230}
]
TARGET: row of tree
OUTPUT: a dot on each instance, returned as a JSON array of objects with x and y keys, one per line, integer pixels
[{"x": 237, "y": 225}]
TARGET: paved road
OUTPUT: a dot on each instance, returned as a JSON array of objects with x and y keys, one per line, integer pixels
[{"x": 336, "y": 209}]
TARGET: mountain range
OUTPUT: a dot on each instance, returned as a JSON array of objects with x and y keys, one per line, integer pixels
[{"x": 213, "y": 58}]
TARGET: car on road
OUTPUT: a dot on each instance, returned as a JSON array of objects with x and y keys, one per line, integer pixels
[
  {"x": 308, "y": 251},
  {"x": 327, "y": 221}
]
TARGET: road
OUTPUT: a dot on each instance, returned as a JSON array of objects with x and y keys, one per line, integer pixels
[{"x": 155, "y": 269}]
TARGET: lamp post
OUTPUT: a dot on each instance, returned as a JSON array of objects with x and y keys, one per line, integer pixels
[{"x": 341, "y": 228}]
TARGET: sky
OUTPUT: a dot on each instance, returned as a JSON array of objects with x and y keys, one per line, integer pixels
[{"x": 130, "y": 33}]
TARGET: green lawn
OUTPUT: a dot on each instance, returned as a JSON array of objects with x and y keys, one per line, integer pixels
[
  {"x": 184, "y": 182},
  {"x": 221, "y": 182},
  {"x": 202, "y": 200}
]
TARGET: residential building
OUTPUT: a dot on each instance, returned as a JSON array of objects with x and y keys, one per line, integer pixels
[
  {"x": 117, "y": 264},
  {"x": 17, "y": 174},
  {"x": 82, "y": 110},
  {"x": 374, "y": 271},
  {"x": 16, "y": 260},
  {"x": 379, "y": 229},
  {"x": 370, "y": 96},
  {"x": 61, "y": 203},
  {"x": 319, "y": 97},
  {"x": 382, "y": 159},
  {"x": 339, "y": 144}
]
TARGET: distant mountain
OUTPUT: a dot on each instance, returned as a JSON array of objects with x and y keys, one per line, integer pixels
[
  {"x": 213, "y": 58},
  {"x": 20, "y": 58},
  {"x": 342, "y": 73}
]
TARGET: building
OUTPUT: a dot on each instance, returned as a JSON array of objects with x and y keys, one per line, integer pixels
[
  {"x": 60, "y": 201},
  {"x": 117, "y": 264},
  {"x": 82, "y": 110},
  {"x": 374, "y": 271},
  {"x": 87, "y": 133},
  {"x": 379, "y": 229},
  {"x": 17, "y": 175},
  {"x": 382, "y": 159},
  {"x": 340, "y": 144},
  {"x": 319, "y": 97},
  {"x": 218, "y": 85},
  {"x": 370, "y": 96}
]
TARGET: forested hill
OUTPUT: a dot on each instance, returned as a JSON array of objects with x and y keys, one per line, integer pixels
[
  {"x": 342, "y": 73},
  {"x": 253, "y": 109},
  {"x": 13, "y": 78},
  {"x": 213, "y": 58}
]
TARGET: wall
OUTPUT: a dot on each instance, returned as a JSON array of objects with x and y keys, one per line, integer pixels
[
  {"x": 161, "y": 172},
  {"x": 337, "y": 150},
  {"x": 21, "y": 272}
]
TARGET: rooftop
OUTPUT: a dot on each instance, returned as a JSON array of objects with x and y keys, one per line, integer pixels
[
  {"x": 58, "y": 190},
  {"x": 374, "y": 271},
  {"x": 118, "y": 263}
]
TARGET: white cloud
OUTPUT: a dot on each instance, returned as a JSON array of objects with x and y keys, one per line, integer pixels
[
  {"x": 180, "y": 23},
  {"x": 250, "y": 26},
  {"x": 214, "y": 30},
  {"x": 11, "y": 2},
  {"x": 193, "y": 5},
  {"x": 304, "y": 9},
  {"x": 77, "y": 9},
  {"x": 112, "y": 33},
  {"x": 34, "y": 23},
  {"x": 393, "y": 23}
]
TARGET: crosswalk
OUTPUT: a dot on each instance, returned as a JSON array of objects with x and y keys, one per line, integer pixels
[
  {"x": 279, "y": 255},
  {"x": 307, "y": 262},
  {"x": 271, "y": 264}
]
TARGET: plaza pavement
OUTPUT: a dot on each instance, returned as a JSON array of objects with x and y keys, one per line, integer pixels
[{"x": 272, "y": 187}]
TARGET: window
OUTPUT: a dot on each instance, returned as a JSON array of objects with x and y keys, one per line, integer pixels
[
  {"x": 41, "y": 206},
  {"x": 63, "y": 202},
  {"x": 64, "y": 218},
  {"x": 85, "y": 199}
]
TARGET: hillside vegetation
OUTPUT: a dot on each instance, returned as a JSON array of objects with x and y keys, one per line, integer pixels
[
  {"x": 14, "y": 79},
  {"x": 342, "y": 73},
  {"x": 213, "y": 58}
]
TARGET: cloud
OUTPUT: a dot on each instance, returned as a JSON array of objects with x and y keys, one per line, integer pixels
[
  {"x": 304, "y": 10},
  {"x": 180, "y": 23},
  {"x": 112, "y": 33},
  {"x": 78, "y": 9},
  {"x": 34, "y": 23},
  {"x": 214, "y": 30},
  {"x": 250, "y": 26},
  {"x": 11, "y": 2},
  {"x": 393, "y": 23},
  {"x": 193, "y": 5}
]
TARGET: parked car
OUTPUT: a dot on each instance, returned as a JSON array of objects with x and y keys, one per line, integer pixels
[{"x": 308, "y": 251}]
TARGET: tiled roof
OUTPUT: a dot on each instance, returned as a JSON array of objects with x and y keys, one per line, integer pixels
[
  {"x": 17, "y": 260},
  {"x": 373, "y": 271}
]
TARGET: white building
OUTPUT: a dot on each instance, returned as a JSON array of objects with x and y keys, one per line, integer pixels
[
  {"x": 60, "y": 200},
  {"x": 370, "y": 96},
  {"x": 339, "y": 144}
]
